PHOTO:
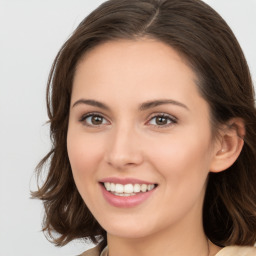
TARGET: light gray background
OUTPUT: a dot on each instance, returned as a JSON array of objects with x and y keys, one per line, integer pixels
[{"x": 31, "y": 33}]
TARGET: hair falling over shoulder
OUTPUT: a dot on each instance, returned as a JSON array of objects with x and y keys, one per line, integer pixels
[{"x": 204, "y": 39}]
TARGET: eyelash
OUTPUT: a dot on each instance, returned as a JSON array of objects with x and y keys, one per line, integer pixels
[{"x": 170, "y": 119}]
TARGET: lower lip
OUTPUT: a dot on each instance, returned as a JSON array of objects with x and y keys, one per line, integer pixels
[{"x": 126, "y": 201}]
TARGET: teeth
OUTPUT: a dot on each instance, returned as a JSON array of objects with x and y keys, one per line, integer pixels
[
  {"x": 136, "y": 188},
  {"x": 112, "y": 187},
  {"x": 107, "y": 186},
  {"x": 119, "y": 189},
  {"x": 128, "y": 189},
  {"x": 143, "y": 187},
  {"x": 150, "y": 187},
  {"x": 124, "y": 194}
]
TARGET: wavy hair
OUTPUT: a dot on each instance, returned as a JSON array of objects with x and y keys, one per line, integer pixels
[{"x": 207, "y": 43}]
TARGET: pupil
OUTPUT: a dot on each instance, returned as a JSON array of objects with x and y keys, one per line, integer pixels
[
  {"x": 161, "y": 120},
  {"x": 97, "y": 120}
]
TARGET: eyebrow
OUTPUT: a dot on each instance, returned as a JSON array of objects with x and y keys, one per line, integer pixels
[
  {"x": 93, "y": 103},
  {"x": 144, "y": 106},
  {"x": 155, "y": 103}
]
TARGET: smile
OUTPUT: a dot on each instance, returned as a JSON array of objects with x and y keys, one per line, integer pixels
[
  {"x": 128, "y": 192},
  {"x": 127, "y": 189}
]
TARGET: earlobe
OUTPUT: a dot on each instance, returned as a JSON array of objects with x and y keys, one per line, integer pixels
[{"x": 230, "y": 146}]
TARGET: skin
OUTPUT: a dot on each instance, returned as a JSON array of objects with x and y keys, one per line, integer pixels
[{"x": 128, "y": 142}]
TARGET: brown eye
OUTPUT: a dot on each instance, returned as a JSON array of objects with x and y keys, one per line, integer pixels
[
  {"x": 162, "y": 120},
  {"x": 94, "y": 120}
]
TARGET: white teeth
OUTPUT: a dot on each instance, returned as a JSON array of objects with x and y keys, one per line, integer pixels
[
  {"x": 112, "y": 187},
  {"x": 119, "y": 188},
  {"x": 128, "y": 189},
  {"x": 107, "y": 186},
  {"x": 143, "y": 187},
  {"x": 136, "y": 188},
  {"x": 124, "y": 194}
]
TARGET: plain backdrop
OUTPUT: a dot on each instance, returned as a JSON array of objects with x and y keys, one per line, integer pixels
[{"x": 31, "y": 33}]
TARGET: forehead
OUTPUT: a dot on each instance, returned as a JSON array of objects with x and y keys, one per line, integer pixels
[{"x": 134, "y": 62}]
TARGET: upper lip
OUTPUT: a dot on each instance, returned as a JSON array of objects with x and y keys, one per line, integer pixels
[{"x": 124, "y": 181}]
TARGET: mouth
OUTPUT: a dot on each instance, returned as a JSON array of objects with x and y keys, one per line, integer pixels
[{"x": 127, "y": 190}]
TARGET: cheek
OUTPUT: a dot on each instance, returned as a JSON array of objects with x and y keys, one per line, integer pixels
[
  {"x": 84, "y": 156},
  {"x": 184, "y": 169},
  {"x": 182, "y": 160}
]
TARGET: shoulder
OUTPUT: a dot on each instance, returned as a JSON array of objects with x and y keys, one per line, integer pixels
[
  {"x": 237, "y": 251},
  {"x": 92, "y": 252}
]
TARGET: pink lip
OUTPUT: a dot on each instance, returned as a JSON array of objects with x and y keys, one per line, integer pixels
[
  {"x": 126, "y": 201},
  {"x": 124, "y": 181}
]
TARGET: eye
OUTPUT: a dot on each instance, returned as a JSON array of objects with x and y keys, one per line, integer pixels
[
  {"x": 94, "y": 120},
  {"x": 162, "y": 120}
]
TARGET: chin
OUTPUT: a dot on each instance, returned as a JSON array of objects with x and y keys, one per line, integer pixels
[
  {"x": 129, "y": 229},
  {"x": 127, "y": 233}
]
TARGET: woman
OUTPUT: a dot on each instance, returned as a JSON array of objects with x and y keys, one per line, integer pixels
[{"x": 152, "y": 119}]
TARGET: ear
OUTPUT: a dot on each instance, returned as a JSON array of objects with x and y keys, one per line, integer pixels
[{"x": 229, "y": 145}]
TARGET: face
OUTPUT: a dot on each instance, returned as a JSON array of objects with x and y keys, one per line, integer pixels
[{"x": 139, "y": 138}]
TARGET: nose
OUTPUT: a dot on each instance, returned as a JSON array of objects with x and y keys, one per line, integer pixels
[{"x": 124, "y": 149}]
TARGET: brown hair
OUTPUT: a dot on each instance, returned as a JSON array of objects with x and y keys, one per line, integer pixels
[{"x": 197, "y": 32}]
